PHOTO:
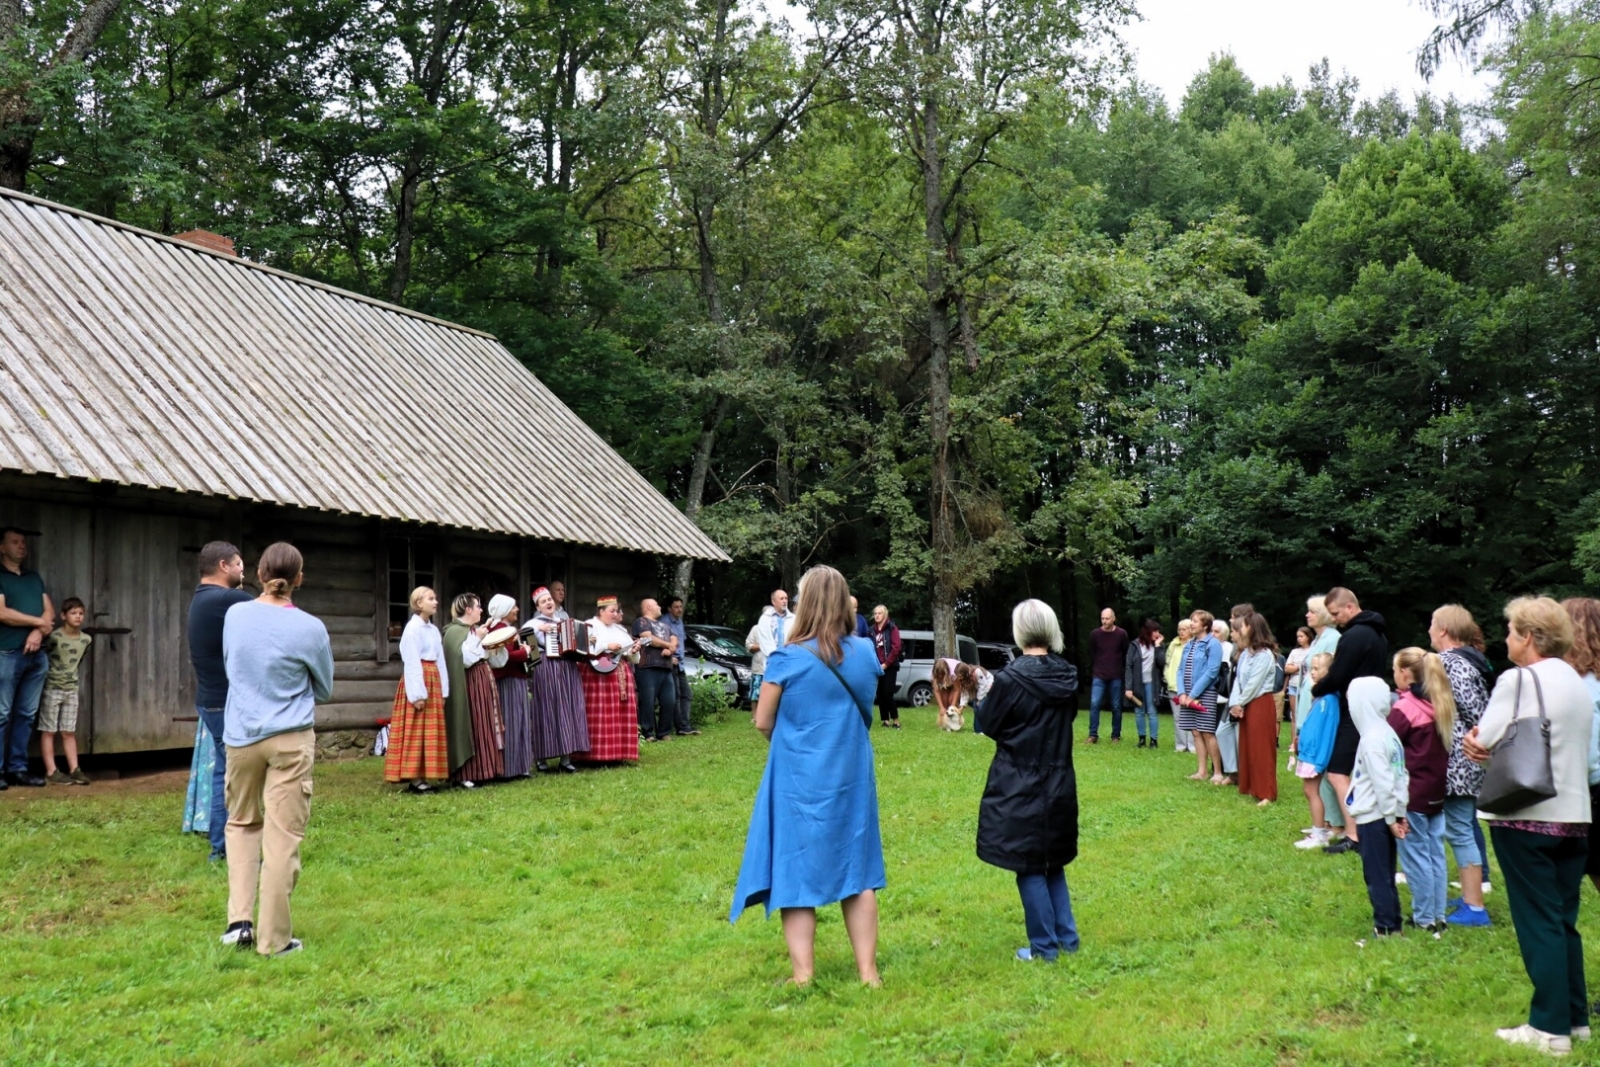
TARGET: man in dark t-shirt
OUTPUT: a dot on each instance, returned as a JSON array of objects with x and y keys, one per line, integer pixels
[
  {"x": 1108, "y": 647},
  {"x": 26, "y": 618},
  {"x": 656, "y": 684},
  {"x": 221, "y": 575}
]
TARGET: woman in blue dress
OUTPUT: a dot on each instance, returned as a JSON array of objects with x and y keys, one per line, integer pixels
[{"x": 814, "y": 833}]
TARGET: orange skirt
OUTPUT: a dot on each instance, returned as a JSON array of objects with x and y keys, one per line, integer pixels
[{"x": 418, "y": 750}]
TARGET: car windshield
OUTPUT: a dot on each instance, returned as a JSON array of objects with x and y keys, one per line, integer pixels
[{"x": 723, "y": 644}]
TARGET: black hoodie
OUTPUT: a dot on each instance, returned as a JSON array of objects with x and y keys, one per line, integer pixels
[
  {"x": 1363, "y": 652},
  {"x": 1028, "y": 818}
]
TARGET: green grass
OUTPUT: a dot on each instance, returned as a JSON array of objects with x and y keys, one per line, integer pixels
[{"x": 582, "y": 919}]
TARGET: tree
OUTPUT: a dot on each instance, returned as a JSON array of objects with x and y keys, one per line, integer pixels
[
  {"x": 951, "y": 78},
  {"x": 40, "y": 58}
]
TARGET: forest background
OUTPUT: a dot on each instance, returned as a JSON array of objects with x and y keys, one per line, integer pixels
[{"x": 930, "y": 290}]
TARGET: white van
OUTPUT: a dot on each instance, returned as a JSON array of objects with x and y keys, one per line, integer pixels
[{"x": 915, "y": 679}]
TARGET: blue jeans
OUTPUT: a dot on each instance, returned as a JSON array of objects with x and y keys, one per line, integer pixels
[
  {"x": 1460, "y": 819},
  {"x": 21, "y": 682},
  {"x": 657, "y": 687},
  {"x": 1097, "y": 695},
  {"x": 1047, "y": 911},
  {"x": 1422, "y": 852},
  {"x": 218, "y": 823},
  {"x": 1148, "y": 712}
]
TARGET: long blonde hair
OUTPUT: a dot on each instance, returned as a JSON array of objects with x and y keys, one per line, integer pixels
[
  {"x": 824, "y": 612},
  {"x": 1427, "y": 668}
]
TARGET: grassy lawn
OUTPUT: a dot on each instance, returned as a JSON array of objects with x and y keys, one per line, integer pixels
[{"x": 582, "y": 919}]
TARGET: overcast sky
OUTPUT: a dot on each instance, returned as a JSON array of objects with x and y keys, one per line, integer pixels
[{"x": 1375, "y": 40}]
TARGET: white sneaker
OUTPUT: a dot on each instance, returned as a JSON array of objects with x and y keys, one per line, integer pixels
[
  {"x": 1580, "y": 1033},
  {"x": 1554, "y": 1044},
  {"x": 1317, "y": 839},
  {"x": 1487, "y": 889},
  {"x": 294, "y": 945},
  {"x": 1399, "y": 877},
  {"x": 1308, "y": 831}
]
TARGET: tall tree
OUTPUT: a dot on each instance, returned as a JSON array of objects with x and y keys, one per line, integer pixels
[
  {"x": 42, "y": 53},
  {"x": 952, "y": 78}
]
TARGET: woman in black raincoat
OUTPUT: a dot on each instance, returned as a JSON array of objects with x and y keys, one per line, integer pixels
[{"x": 1028, "y": 819}]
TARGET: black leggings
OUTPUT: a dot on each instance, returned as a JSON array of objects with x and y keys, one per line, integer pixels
[{"x": 886, "y": 687}]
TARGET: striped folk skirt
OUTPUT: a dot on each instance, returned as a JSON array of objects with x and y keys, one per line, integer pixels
[
  {"x": 1204, "y": 722},
  {"x": 612, "y": 705},
  {"x": 516, "y": 715},
  {"x": 488, "y": 734},
  {"x": 417, "y": 747},
  {"x": 560, "y": 726}
]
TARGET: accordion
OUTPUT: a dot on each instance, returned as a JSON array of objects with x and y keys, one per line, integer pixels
[{"x": 568, "y": 640}]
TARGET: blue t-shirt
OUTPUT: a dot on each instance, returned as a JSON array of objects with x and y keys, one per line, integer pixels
[{"x": 25, "y": 593}]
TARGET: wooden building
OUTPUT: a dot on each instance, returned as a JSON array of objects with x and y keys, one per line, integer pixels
[{"x": 156, "y": 394}]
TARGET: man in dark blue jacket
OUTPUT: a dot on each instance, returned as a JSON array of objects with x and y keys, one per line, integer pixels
[{"x": 1363, "y": 652}]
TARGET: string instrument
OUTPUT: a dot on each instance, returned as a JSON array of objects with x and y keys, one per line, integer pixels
[{"x": 608, "y": 661}]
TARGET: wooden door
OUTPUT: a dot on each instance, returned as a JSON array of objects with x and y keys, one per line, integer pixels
[{"x": 144, "y": 577}]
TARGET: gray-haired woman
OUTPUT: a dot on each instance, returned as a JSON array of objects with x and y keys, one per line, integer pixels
[{"x": 1028, "y": 818}]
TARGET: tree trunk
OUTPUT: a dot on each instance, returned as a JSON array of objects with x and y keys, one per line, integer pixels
[
  {"x": 698, "y": 471},
  {"x": 941, "y": 509},
  {"x": 405, "y": 230},
  {"x": 16, "y": 154}
]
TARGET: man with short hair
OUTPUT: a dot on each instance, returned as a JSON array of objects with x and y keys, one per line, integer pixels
[
  {"x": 657, "y": 689},
  {"x": 26, "y": 618},
  {"x": 221, "y": 575},
  {"x": 862, "y": 629},
  {"x": 1108, "y": 651},
  {"x": 558, "y": 593},
  {"x": 775, "y": 620},
  {"x": 674, "y": 621},
  {"x": 1362, "y": 652}
]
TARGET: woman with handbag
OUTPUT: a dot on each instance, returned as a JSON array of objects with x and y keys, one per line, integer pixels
[
  {"x": 814, "y": 836},
  {"x": 1534, "y": 736}
]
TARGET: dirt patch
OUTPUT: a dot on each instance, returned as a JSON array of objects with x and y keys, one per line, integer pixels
[{"x": 124, "y": 783}]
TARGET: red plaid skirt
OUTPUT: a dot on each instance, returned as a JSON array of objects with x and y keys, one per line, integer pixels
[
  {"x": 417, "y": 746},
  {"x": 613, "y": 709}
]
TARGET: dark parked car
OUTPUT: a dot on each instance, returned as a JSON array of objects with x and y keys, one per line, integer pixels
[
  {"x": 996, "y": 656},
  {"x": 722, "y": 645}
]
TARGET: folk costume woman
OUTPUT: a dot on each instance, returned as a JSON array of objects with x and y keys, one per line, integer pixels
[
  {"x": 472, "y": 710},
  {"x": 418, "y": 750},
  {"x": 609, "y": 698},
  {"x": 509, "y": 664},
  {"x": 560, "y": 725}
]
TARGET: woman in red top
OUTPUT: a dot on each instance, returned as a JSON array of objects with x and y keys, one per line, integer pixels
[{"x": 510, "y": 665}]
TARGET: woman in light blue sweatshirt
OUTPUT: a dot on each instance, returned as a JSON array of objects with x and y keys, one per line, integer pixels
[{"x": 279, "y": 663}]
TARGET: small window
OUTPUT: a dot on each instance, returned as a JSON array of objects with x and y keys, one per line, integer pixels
[
  {"x": 916, "y": 648},
  {"x": 410, "y": 565}
]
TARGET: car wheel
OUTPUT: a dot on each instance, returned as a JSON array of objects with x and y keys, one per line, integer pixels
[{"x": 921, "y": 695}]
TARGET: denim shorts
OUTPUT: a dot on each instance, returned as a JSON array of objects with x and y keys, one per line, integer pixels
[{"x": 1459, "y": 813}]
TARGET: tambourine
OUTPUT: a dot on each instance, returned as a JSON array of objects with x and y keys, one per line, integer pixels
[{"x": 496, "y": 638}]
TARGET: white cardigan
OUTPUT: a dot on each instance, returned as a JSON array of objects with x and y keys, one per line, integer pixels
[{"x": 1570, "y": 709}]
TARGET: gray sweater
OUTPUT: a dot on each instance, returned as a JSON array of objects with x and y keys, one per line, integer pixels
[
  {"x": 1570, "y": 709},
  {"x": 279, "y": 663}
]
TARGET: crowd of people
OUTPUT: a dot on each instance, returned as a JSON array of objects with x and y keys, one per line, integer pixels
[{"x": 1395, "y": 753}]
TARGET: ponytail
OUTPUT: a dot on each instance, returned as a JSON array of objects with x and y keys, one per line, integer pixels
[
  {"x": 1429, "y": 671},
  {"x": 279, "y": 569}
]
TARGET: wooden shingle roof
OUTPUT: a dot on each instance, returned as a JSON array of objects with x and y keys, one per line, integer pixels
[{"x": 114, "y": 342}]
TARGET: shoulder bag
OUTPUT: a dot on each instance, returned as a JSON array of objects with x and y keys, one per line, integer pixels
[
  {"x": 864, "y": 709},
  {"x": 1519, "y": 771}
]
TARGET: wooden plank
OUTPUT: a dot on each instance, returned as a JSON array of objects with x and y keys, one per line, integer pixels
[
  {"x": 334, "y": 601},
  {"x": 347, "y": 624},
  {"x": 356, "y": 670},
  {"x": 351, "y": 716},
  {"x": 348, "y": 581},
  {"x": 351, "y": 692},
  {"x": 380, "y": 586},
  {"x": 351, "y": 646}
]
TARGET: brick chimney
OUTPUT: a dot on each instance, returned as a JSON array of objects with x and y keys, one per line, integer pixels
[{"x": 215, "y": 242}]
